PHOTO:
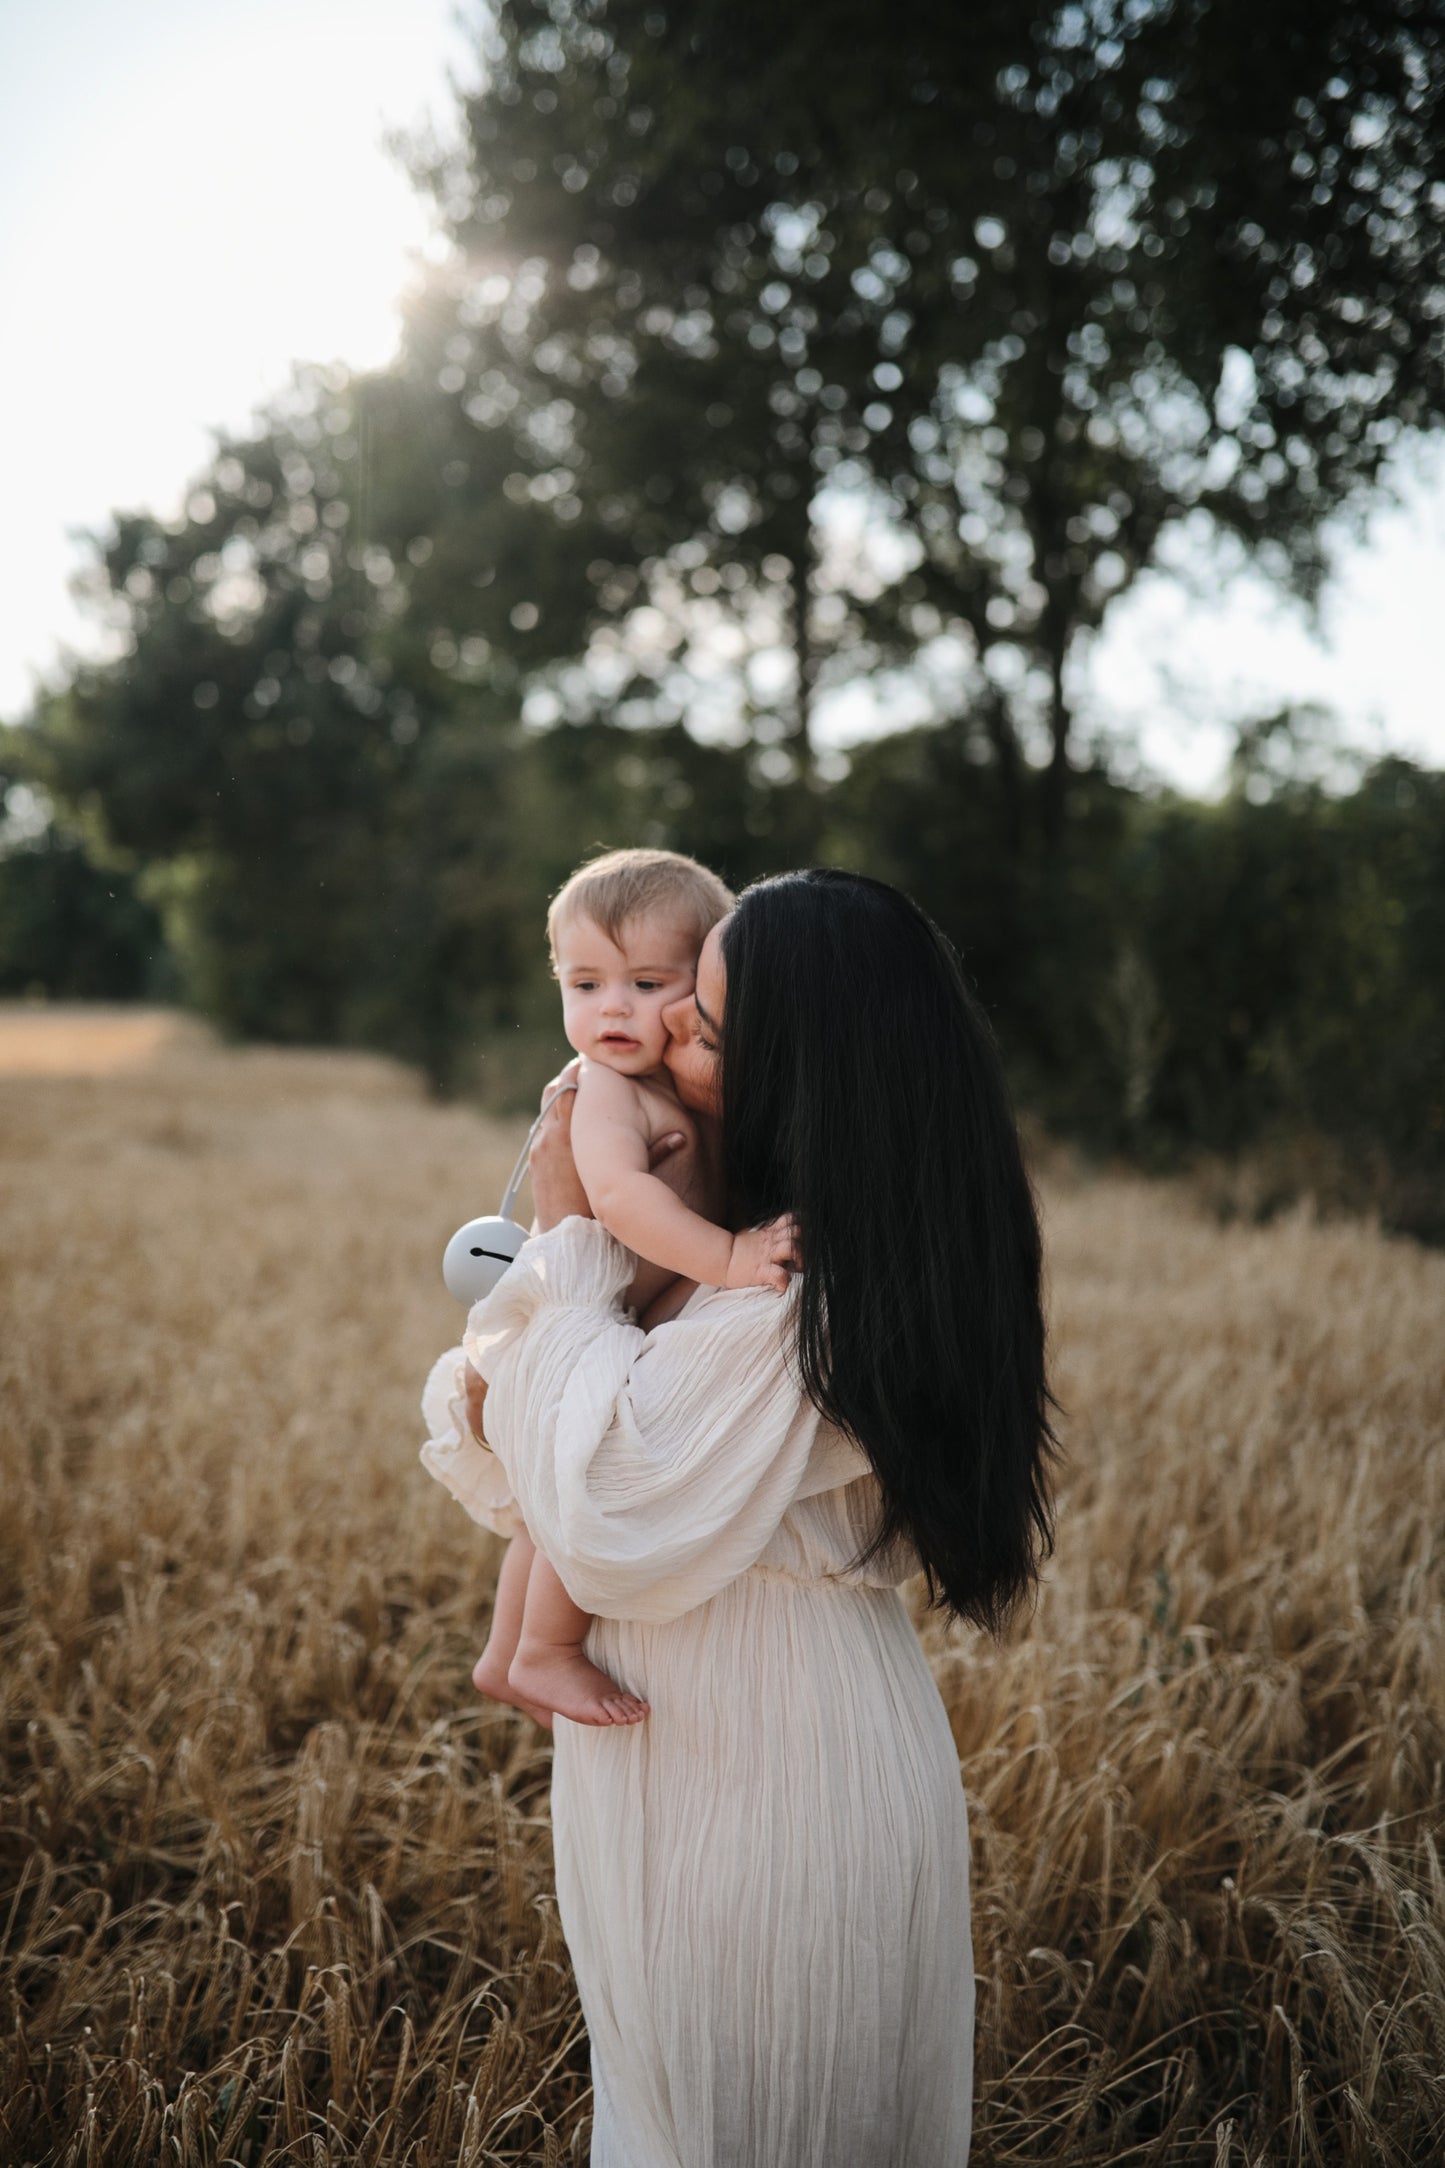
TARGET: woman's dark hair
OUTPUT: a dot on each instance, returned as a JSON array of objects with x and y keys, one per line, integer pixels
[{"x": 862, "y": 1090}]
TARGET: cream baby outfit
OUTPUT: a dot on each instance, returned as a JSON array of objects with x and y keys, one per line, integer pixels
[{"x": 764, "y": 1886}]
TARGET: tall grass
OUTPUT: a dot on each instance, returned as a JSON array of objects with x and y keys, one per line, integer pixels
[{"x": 277, "y": 1888}]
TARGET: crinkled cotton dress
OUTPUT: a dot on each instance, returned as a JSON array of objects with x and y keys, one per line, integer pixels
[{"x": 764, "y": 1886}]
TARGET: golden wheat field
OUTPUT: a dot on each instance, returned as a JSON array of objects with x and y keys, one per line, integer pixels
[{"x": 277, "y": 1887}]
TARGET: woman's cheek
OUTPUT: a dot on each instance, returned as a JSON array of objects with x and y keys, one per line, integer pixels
[
  {"x": 678, "y": 1059},
  {"x": 702, "y": 1078}
]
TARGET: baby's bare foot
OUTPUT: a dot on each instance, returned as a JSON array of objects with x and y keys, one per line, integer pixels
[
  {"x": 566, "y": 1682},
  {"x": 489, "y": 1677}
]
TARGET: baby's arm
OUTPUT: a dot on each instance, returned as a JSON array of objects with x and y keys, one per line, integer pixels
[{"x": 610, "y": 1139}]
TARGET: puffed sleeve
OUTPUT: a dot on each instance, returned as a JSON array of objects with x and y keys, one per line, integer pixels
[
  {"x": 474, "y": 1476},
  {"x": 651, "y": 1469}
]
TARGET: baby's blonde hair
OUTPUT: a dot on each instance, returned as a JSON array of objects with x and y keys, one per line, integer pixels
[{"x": 623, "y": 885}]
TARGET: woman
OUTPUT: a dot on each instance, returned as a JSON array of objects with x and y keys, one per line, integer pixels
[{"x": 765, "y": 1886}]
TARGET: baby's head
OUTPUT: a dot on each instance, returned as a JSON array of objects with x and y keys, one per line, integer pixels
[{"x": 625, "y": 931}]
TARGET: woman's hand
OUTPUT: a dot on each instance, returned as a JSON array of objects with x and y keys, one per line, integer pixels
[
  {"x": 476, "y": 1387},
  {"x": 557, "y": 1191}
]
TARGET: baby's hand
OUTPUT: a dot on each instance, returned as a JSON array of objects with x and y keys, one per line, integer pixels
[{"x": 762, "y": 1255}]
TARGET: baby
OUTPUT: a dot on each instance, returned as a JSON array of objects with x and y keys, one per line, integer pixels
[{"x": 625, "y": 932}]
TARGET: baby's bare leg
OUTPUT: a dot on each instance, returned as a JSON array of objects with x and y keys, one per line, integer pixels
[
  {"x": 549, "y": 1666},
  {"x": 489, "y": 1673}
]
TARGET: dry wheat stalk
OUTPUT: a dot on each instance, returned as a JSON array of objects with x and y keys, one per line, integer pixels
[{"x": 276, "y": 1888}]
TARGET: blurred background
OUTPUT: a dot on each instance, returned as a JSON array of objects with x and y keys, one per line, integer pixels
[{"x": 995, "y": 448}]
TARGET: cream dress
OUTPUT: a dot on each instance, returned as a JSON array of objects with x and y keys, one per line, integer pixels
[{"x": 764, "y": 1886}]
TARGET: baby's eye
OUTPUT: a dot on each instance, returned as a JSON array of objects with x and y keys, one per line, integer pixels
[
  {"x": 647, "y": 986},
  {"x": 584, "y": 986}
]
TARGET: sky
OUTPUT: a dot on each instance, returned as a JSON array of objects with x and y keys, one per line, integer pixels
[{"x": 193, "y": 194}]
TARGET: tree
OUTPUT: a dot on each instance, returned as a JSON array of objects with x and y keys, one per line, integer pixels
[
  {"x": 69, "y": 926},
  {"x": 350, "y": 828},
  {"x": 252, "y": 741},
  {"x": 608, "y": 319},
  {"x": 1029, "y": 294}
]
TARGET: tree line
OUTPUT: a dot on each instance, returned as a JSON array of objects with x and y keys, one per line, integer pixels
[{"x": 764, "y": 362}]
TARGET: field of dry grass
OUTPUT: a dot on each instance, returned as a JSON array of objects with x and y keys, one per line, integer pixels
[{"x": 276, "y": 1887}]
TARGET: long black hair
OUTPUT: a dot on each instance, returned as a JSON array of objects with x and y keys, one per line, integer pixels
[{"x": 862, "y": 1090}]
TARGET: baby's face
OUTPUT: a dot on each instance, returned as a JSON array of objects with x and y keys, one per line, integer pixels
[{"x": 614, "y": 992}]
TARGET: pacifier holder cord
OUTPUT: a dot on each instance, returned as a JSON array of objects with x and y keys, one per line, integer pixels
[{"x": 519, "y": 1172}]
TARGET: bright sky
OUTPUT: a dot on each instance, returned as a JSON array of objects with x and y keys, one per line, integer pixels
[{"x": 193, "y": 194}]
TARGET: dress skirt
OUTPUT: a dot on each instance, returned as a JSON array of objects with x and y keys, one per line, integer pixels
[{"x": 764, "y": 1888}]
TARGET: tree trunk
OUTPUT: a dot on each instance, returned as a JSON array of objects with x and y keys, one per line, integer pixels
[
  {"x": 806, "y": 812},
  {"x": 1056, "y": 778},
  {"x": 1003, "y": 740},
  {"x": 805, "y": 662}
]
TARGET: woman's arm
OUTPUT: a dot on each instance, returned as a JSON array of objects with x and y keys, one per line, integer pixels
[
  {"x": 557, "y": 1191},
  {"x": 651, "y": 1470},
  {"x": 476, "y": 1387}
]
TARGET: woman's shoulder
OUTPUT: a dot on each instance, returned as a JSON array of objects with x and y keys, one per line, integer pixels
[
  {"x": 747, "y": 1333},
  {"x": 742, "y": 1309}
]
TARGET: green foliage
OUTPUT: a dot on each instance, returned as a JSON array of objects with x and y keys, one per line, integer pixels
[
  {"x": 1020, "y": 301},
  {"x": 74, "y": 923},
  {"x": 1189, "y": 976},
  {"x": 75, "y": 931},
  {"x": 1297, "y": 944}
]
